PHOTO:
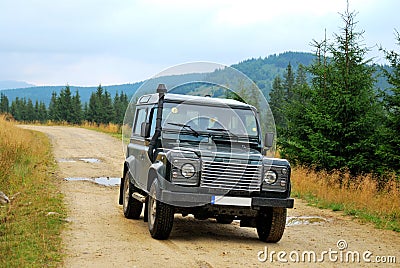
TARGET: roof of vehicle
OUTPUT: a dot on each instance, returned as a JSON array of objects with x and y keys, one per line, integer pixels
[{"x": 170, "y": 97}]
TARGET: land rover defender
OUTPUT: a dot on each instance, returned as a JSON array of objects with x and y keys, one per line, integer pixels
[{"x": 205, "y": 157}]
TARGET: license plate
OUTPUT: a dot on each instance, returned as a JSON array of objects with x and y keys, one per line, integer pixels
[{"x": 231, "y": 201}]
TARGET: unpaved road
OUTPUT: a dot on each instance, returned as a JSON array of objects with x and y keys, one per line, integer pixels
[{"x": 98, "y": 235}]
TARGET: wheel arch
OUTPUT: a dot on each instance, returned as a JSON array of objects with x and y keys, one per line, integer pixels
[
  {"x": 152, "y": 175},
  {"x": 156, "y": 171},
  {"x": 121, "y": 186}
]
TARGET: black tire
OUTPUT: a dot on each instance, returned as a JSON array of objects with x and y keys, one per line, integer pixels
[
  {"x": 225, "y": 219},
  {"x": 132, "y": 207},
  {"x": 271, "y": 224},
  {"x": 160, "y": 216}
]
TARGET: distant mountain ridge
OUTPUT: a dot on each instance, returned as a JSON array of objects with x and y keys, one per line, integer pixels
[
  {"x": 12, "y": 84},
  {"x": 261, "y": 70}
]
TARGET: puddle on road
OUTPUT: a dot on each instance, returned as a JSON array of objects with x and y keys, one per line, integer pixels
[
  {"x": 90, "y": 160},
  {"x": 66, "y": 160},
  {"x": 305, "y": 220},
  {"x": 106, "y": 181}
]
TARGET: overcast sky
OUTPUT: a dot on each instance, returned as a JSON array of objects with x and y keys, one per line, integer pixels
[{"x": 87, "y": 42}]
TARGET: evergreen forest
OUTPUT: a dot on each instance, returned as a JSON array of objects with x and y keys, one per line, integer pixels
[{"x": 66, "y": 106}]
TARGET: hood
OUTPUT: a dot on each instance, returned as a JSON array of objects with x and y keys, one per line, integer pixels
[{"x": 236, "y": 152}]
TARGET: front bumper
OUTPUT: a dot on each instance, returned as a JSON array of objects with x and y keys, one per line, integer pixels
[{"x": 199, "y": 199}]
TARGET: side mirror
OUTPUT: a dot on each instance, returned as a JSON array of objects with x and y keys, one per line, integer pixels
[
  {"x": 145, "y": 130},
  {"x": 269, "y": 140}
]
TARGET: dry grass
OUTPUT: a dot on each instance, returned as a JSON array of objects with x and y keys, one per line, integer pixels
[
  {"x": 29, "y": 235},
  {"x": 363, "y": 197},
  {"x": 106, "y": 128},
  {"x": 114, "y": 130}
]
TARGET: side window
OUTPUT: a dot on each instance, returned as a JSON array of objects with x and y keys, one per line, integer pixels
[
  {"x": 140, "y": 118},
  {"x": 153, "y": 117}
]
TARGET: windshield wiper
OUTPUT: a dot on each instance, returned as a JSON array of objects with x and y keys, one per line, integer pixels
[
  {"x": 223, "y": 129},
  {"x": 187, "y": 127}
]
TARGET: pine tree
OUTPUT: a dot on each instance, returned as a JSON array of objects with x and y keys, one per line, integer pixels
[
  {"x": 36, "y": 118},
  {"x": 85, "y": 112},
  {"x": 124, "y": 102},
  {"x": 95, "y": 106},
  {"x": 288, "y": 82},
  {"x": 64, "y": 105},
  {"x": 4, "y": 104},
  {"x": 277, "y": 103},
  {"x": 391, "y": 133},
  {"x": 77, "y": 113},
  {"x": 297, "y": 128},
  {"x": 107, "y": 112},
  {"x": 42, "y": 112},
  {"x": 119, "y": 108},
  {"x": 332, "y": 125},
  {"x": 30, "y": 114},
  {"x": 53, "y": 113},
  {"x": 14, "y": 109},
  {"x": 301, "y": 76},
  {"x": 352, "y": 103}
]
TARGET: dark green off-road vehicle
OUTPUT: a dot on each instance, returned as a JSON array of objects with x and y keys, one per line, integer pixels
[{"x": 206, "y": 157}]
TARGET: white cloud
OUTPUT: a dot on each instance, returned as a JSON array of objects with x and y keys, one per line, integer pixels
[{"x": 241, "y": 13}]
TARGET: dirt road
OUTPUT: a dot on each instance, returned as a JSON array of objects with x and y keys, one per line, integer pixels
[{"x": 98, "y": 235}]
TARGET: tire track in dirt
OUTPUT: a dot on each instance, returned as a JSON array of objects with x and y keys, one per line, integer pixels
[{"x": 98, "y": 235}]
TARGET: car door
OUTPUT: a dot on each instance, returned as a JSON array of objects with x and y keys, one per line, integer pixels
[{"x": 138, "y": 148}]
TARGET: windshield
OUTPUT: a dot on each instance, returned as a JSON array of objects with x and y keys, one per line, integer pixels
[{"x": 198, "y": 118}]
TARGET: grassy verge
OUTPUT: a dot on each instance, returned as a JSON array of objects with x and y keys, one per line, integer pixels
[
  {"x": 110, "y": 128},
  {"x": 30, "y": 225},
  {"x": 114, "y": 130},
  {"x": 359, "y": 197}
]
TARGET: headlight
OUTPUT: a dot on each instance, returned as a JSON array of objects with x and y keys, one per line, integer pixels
[
  {"x": 270, "y": 177},
  {"x": 188, "y": 170}
]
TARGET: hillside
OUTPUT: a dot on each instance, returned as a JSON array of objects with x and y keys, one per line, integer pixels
[{"x": 264, "y": 70}]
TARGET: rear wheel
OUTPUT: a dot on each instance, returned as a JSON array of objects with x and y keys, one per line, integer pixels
[
  {"x": 271, "y": 224},
  {"x": 160, "y": 215},
  {"x": 132, "y": 207}
]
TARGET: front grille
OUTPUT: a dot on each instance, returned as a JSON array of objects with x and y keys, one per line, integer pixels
[{"x": 233, "y": 175}]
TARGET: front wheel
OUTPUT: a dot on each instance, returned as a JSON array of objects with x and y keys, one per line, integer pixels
[
  {"x": 160, "y": 215},
  {"x": 270, "y": 224},
  {"x": 132, "y": 207}
]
